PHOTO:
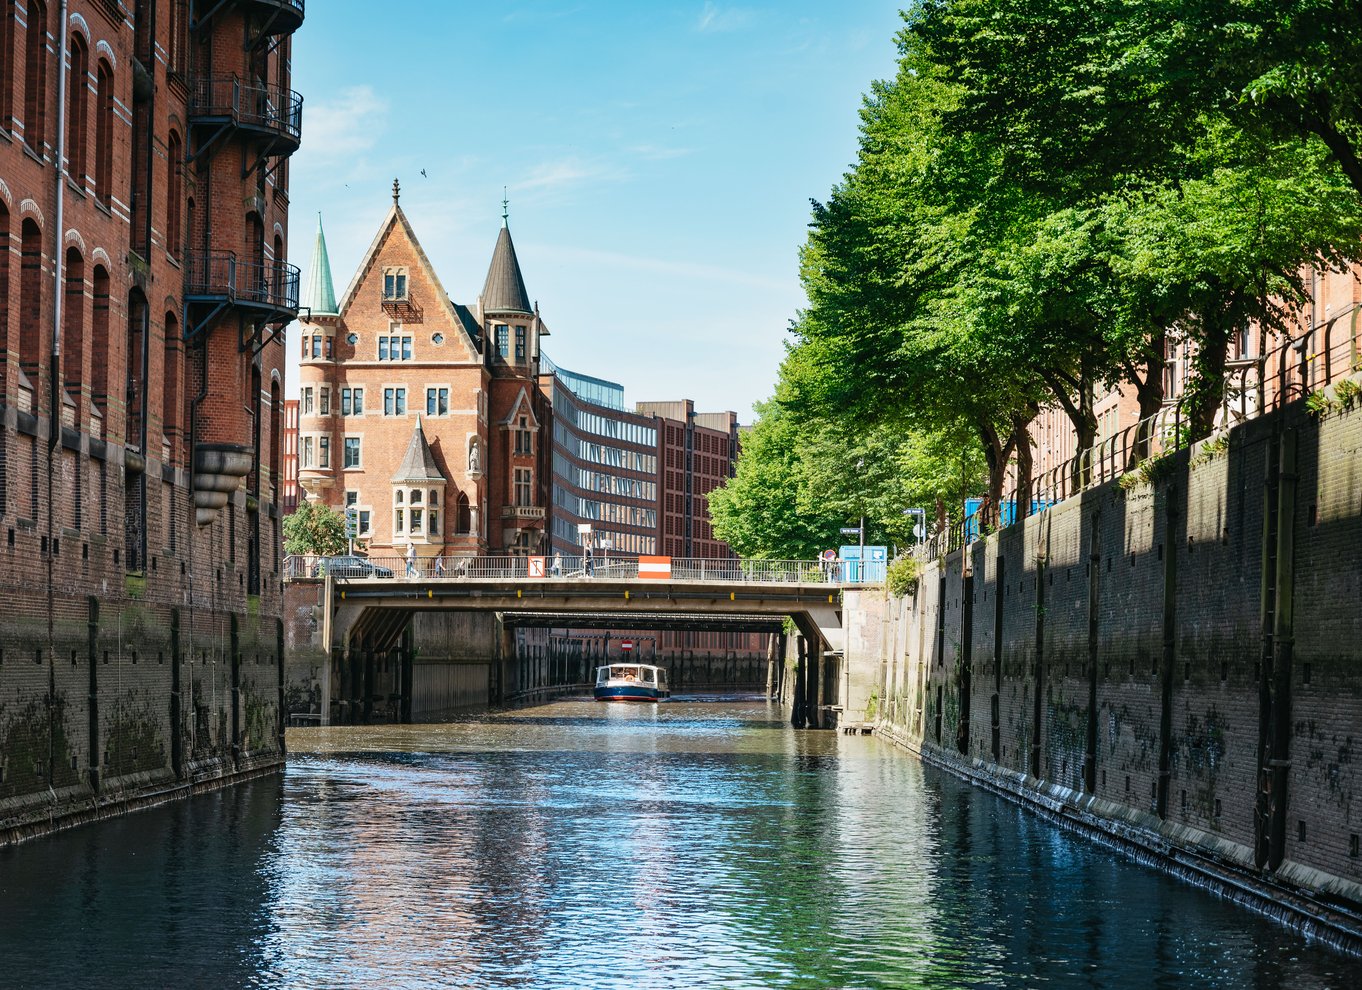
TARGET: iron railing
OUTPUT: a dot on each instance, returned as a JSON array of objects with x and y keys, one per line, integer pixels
[
  {"x": 1289, "y": 372},
  {"x": 715, "y": 571},
  {"x": 271, "y": 109},
  {"x": 220, "y": 275}
]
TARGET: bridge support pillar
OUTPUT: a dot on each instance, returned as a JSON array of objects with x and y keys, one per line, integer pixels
[
  {"x": 405, "y": 684},
  {"x": 367, "y": 702},
  {"x": 798, "y": 707}
]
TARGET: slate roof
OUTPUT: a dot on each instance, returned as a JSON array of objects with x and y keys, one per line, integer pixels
[
  {"x": 419, "y": 463},
  {"x": 504, "y": 291}
]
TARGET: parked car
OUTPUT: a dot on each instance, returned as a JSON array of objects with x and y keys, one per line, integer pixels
[{"x": 351, "y": 566}]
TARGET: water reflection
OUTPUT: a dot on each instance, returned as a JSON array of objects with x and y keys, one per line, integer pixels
[{"x": 583, "y": 845}]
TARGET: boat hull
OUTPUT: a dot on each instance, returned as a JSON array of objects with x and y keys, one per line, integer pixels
[{"x": 631, "y": 692}]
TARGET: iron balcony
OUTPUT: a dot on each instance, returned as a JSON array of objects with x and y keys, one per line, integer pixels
[
  {"x": 218, "y": 278},
  {"x": 272, "y": 115}
]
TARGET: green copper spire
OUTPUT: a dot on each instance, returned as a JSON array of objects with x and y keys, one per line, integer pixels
[{"x": 321, "y": 293}]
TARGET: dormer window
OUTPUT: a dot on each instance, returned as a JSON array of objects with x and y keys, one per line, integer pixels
[{"x": 394, "y": 285}]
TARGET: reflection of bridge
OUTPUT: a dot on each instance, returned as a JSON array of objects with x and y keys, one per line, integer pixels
[{"x": 367, "y": 616}]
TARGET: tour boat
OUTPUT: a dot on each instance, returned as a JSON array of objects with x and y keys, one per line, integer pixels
[{"x": 631, "y": 682}]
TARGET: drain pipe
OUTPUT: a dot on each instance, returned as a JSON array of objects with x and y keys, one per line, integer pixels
[
  {"x": 54, "y": 379},
  {"x": 58, "y": 254}
]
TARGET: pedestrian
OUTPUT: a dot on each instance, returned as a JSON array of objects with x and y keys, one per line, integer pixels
[
  {"x": 556, "y": 568},
  {"x": 440, "y": 566},
  {"x": 411, "y": 559},
  {"x": 588, "y": 563}
]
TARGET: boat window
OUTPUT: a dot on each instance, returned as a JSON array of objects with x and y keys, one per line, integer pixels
[
  {"x": 648, "y": 674},
  {"x": 602, "y": 675}
]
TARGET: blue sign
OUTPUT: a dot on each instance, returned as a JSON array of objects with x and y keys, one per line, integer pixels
[{"x": 870, "y": 568}]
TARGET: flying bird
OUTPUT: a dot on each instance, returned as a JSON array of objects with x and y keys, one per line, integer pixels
[{"x": 423, "y": 174}]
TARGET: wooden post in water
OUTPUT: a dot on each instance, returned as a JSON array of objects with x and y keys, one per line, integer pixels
[{"x": 797, "y": 707}]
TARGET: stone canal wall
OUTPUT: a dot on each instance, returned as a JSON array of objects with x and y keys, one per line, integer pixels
[
  {"x": 129, "y": 697},
  {"x": 1173, "y": 665}
]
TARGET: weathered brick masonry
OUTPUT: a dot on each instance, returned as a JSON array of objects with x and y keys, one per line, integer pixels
[
  {"x": 143, "y": 284},
  {"x": 1127, "y": 663}
]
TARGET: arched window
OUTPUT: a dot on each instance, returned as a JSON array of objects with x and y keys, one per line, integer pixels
[
  {"x": 35, "y": 75},
  {"x": 278, "y": 281},
  {"x": 134, "y": 390},
  {"x": 257, "y": 431},
  {"x": 77, "y": 111},
  {"x": 174, "y": 193},
  {"x": 170, "y": 395},
  {"x": 31, "y": 285},
  {"x": 465, "y": 519},
  {"x": 73, "y": 330},
  {"x": 99, "y": 340},
  {"x": 104, "y": 123},
  {"x": 7, "y": 52},
  {"x": 276, "y": 438},
  {"x": 254, "y": 279}
]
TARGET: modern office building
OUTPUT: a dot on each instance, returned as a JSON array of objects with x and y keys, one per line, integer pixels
[
  {"x": 143, "y": 294},
  {"x": 605, "y": 467}
]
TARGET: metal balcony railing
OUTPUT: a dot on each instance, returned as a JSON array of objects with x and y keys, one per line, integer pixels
[
  {"x": 269, "y": 111},
  {"x": 218, "y": 276},
  {"x": 708, "y": 571}
]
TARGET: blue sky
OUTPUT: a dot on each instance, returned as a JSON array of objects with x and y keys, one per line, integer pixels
[{"x": 659, "y": 160}]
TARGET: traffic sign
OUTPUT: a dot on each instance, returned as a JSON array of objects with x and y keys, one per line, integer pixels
[
  {"x": 351, "y": 522},
  {"x": 851, "y": 530},
  {"x": 829, "y": 555},
  {"x": 626, "y": 645},
  {"x": 536, "y": 567}
]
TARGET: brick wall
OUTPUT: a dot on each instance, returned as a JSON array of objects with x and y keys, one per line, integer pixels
[
  {"x": 1152, "y": 731},
  {"x": 137, "y": 650}
]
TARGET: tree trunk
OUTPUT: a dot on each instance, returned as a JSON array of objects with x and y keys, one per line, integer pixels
[
  {"x": 1206, "y": 392},
  {"x": 1021, "y": 443},
  {"x": 1149, "y": 394}
]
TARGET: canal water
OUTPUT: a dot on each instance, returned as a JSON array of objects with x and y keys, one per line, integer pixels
[{"x": 697, "y": 843}]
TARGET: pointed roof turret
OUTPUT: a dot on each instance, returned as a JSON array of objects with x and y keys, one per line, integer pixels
[
  {"x": 504, "y": 291},
  {"x": 321, "y": 292},
  {"x": 419, "y": 463}
]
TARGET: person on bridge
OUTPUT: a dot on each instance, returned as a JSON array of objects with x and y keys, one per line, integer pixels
[
  {"x": 411, "y": 559},
  {"x": 440, "y": 566},
  {"x": 588, "y": 562},
  {"x": 556, "y": 568}
]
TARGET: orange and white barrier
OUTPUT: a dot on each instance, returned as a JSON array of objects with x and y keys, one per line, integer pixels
[{"x": 654, "y": 568}]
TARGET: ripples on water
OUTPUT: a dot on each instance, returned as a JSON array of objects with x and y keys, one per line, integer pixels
[{"x": 581, "y": 845}]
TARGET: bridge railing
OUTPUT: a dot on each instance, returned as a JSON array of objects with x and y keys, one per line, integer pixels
[{"x": 717, "y": 570}]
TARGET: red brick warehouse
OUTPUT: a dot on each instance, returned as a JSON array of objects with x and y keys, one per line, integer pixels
[{"x": 143, "y": 294}]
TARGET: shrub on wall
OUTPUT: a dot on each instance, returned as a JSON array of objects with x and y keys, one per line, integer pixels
[{"x": 902, "y": 574}]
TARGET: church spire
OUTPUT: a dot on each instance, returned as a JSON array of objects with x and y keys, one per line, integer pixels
[
  {"x": 321, "y": 292},
  {"x": 504, "y": 291}
]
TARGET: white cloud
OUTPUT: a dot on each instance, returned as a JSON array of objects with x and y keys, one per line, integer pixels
[
  {"x": 714, "y": 18},
  {"x": 548, "y": 176},
  {"x": 343, "y": 126},
  {"x": 681, "y": 270},
  {"x": 657, "y": 153}
]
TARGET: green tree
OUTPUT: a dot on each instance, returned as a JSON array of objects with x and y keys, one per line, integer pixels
[{"x": 315, "y": 528}]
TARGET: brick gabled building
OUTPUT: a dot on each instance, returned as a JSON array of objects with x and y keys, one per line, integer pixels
[{"x": 397, "y": 366}]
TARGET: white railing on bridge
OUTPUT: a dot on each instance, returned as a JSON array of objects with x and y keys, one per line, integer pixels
[{"x": 718, "y": 571}]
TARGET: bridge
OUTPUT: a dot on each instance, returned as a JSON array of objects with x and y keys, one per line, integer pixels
[{"x": 367, "y": 604}]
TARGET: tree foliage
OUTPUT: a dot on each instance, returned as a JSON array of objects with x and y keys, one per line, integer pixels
[
  {"x": 314, "y": 528},
  {"x": 1046, "y": 195}
]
